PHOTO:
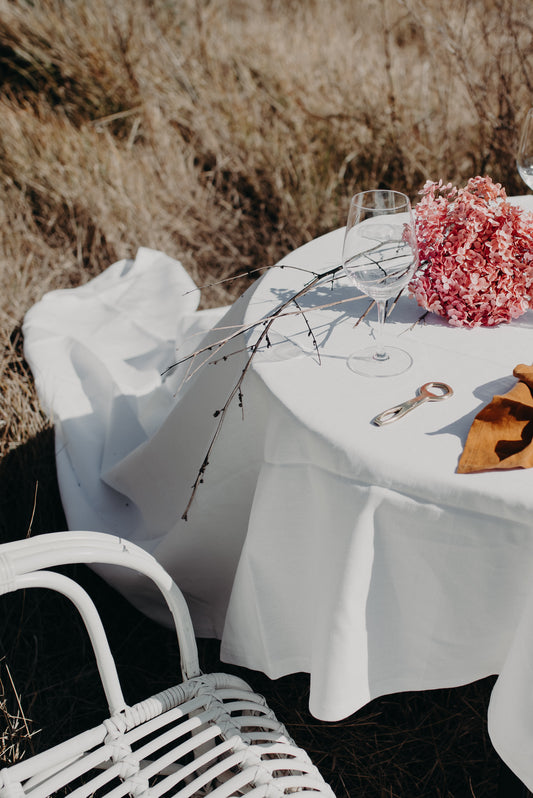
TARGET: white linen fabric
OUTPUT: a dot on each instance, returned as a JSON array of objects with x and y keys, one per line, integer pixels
[
  {"x": 317, "y": 541},
  {"x": 124, "y": 466}
]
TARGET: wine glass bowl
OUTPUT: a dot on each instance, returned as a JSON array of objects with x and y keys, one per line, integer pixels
[
  {"x": 524, "y": 158},
  {"x": 379, "y": 256},
  {"x": 380, "y": 265}
]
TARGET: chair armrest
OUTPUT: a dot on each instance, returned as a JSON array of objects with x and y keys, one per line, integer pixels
[{"x": 63, "y": 548}]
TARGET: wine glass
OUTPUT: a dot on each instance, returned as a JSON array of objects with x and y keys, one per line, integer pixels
[
  {"x": 524, "y": 158},
  {"x": 380, "y": 255}
]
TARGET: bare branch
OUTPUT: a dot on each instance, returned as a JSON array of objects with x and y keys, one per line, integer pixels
[
  {"x": 278, "y": 313},
  {"x": 263, "y": 337},
  {"x": 236, "y": 390}
]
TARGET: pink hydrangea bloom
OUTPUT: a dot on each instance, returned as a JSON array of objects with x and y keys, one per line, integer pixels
[{"x": 476, "y": 254}]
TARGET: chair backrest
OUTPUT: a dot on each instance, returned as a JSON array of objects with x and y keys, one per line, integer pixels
[{"x": 210, "y": 734}]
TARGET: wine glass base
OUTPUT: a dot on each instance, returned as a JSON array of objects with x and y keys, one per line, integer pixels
[{"x": 366, "y": 362}]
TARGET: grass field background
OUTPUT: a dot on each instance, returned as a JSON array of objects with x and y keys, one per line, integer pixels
[{"x": 226, "y": 134}]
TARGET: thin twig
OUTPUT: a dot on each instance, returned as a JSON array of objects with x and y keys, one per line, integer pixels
[
  {"x": 257, "y": 270},
  {"x": 394, "y": 303},
  {"x": 28, "y": 533},
  {"x": 17, "y": 698},
  {"x": 367, "y": 311},
  {"x": 228, "y": 279},
  {"x": 310, "y": 332},
  {"x": 420, "y": 318}
]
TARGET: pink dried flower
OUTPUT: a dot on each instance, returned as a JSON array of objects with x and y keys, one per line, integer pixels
[{"x": 476, "y": 254}]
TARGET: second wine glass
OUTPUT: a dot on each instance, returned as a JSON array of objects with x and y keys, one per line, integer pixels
[{"x": 380, "y": 255}]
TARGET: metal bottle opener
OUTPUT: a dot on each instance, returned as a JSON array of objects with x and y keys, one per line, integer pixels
[{"x": 429, "y": 392}]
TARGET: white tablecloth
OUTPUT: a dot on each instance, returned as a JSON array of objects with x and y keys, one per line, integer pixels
[{"x": 317, "y": 541}]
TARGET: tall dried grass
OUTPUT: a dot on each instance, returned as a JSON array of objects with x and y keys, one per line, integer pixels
[{"x": 226, "y": 132}]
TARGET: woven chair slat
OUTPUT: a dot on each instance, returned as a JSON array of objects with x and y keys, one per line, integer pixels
[
  {"x": 69, "y": 775},
  {"x": 296, "y": 764},
  {"x": 282, "y": 749},
  {"x": 98, "y": 781},
  {"x": 202, "y": 764},
  {"x": 178, "y": 725},
  {"x": 228, "y": 695},
  {"x": 211, "y": 775},
  {"x": 228, "y": 683},
  {"x": 237, "y": 783},
  {"x": 300, "y": 771},
  {"x": 268, "y": 738},
  {"x": 252, "y": 703},
  {"x": 194, "y": 778},
  {"x": 122, "y": 789},
  {"x": 233, "y": 688},
  {"x": 56, "y": 757},
  {"x": 155, "y": 766},
  {"x": 264, "y": 721}
]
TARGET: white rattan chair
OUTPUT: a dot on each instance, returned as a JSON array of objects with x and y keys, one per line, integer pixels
[{"x": 210, "y": 735}]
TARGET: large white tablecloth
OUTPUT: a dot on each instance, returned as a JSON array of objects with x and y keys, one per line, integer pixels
[{"x": 317, "y": 542}]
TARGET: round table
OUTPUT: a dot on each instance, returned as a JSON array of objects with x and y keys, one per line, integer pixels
[{"x": 316, "y": 541}]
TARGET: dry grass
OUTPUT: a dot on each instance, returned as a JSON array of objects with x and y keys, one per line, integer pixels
[{"x": 226, "y": 132}]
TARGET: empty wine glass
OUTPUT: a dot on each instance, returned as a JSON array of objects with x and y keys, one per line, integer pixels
[
  {"x": 380, "y": 255},
  {"x": 524, "y": 158}
]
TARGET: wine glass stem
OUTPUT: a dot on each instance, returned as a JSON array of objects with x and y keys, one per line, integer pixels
[{"x": 380, "y": 353}]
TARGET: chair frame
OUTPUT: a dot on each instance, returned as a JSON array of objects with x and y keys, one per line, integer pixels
[{"x": 211, "y": 734}]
